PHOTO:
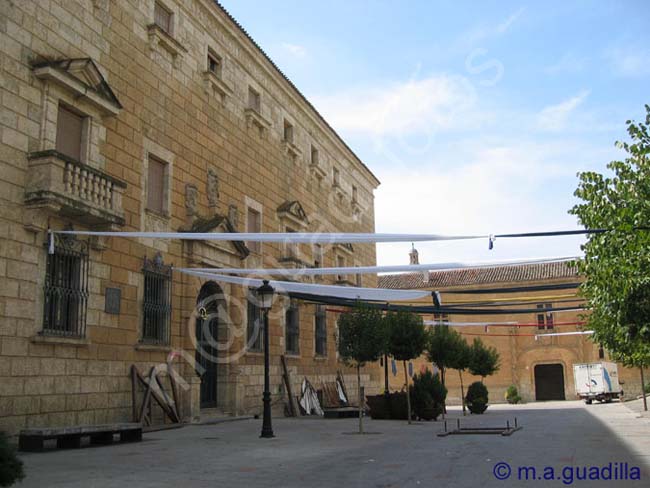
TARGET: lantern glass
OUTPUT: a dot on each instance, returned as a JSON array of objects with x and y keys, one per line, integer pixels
[{"x": 265, "y": 296}]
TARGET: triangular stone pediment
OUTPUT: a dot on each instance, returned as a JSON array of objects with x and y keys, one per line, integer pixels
[
  {"x": 293, "y": 211},
  {"x": 82, "y": 76},
  {"x": 219, "y": 224}
]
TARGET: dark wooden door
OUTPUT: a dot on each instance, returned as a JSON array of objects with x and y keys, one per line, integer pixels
[
  {"x": 206, "y": 358},
  {"x": 549, "y": 382}
]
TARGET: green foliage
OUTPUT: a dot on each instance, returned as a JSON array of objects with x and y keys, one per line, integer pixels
[
  {"x": 11, "y": 468},
  {"x": 484, "y": 360},
  {"x": 360, "y": 336},
  {"x": 406, "y": 335},
  {"x": 477, "y": 397},
  {"x": 617, "y": 262},
  {"x": 512, "y": 395},
  {"x": 428, "y": 395},
  {"x": 462, "y": 354},
  {"x": 446, "y": 348}
]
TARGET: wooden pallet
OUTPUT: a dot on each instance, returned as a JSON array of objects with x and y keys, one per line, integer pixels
[
  {"x": 70, "y": 437},
  {"x": 341, "y": 412}
]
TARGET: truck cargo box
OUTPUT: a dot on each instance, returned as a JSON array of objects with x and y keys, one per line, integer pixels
[{"x": 596, "y": 381}]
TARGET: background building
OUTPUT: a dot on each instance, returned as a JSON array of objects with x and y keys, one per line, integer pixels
[
  {"x": 156, "y": 115},
  {"x": 540, "y": 367}
]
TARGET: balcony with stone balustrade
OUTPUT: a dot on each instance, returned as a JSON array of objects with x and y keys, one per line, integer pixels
[{"x": 74, "y": 190}]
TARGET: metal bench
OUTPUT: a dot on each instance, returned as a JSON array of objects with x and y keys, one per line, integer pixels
[{"x": 70, "y": 437}]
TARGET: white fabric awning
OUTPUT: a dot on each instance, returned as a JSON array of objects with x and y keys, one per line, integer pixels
[
  {"x": 467, "y": 324},
  {"x": 297, "y": 237},
  {"x": 554, "y": 334},
  {"x": 347, "y": 292},
  {"x": 381, "y": 269}
]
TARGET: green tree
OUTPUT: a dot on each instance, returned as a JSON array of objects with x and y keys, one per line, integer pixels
[
  {"x": 11, "y": 468},
  {"x": 428, "y": 395},
  {"x": 460, "y": 361},
  {"x": 484, "y": 360},
  {"x": 633, "y": 353},
  {"x": 443, "y": 346},
  {"x": 360, "y": 340},
  {"x": 406, "y": 341},
  {"x": 616, "y": 263}
]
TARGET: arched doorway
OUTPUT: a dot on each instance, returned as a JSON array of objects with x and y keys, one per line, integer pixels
[
  {"x": 209, "y": 304},
  {"x": 549, "y": 382}
]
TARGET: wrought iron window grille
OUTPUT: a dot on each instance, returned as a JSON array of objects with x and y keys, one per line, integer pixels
[
  {"x": 156, "y": 304},
  {"x": 66, "y": 287}
]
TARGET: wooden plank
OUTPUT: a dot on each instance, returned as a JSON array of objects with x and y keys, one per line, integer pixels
[
  {"x": 147, "y": 397},
  {"x": 163, "y": 401},
  {"x": 172, "y": 379},
  {"x": 293, "y": 405},
  {"x": 170, "y": 405},
  {"x": 134, "y": 400}
]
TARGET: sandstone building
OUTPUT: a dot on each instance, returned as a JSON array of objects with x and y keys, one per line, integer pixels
[
  {"x": 540, "y": 367},
  {"x": 156, "y": 115}
]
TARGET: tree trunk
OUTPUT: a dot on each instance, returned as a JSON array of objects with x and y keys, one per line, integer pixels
[
  {"x": 360, "y": 399},
  {"x": 645, "y": 401},
  {"x": 444, "y": 401},
  {"x": 408, "y": 394},
  {"x": 462, "y": 392},
  {"x": 385, "y": 374}
]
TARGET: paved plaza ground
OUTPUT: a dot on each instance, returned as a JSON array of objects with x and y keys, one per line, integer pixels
[{"x": 313, "y": 452}]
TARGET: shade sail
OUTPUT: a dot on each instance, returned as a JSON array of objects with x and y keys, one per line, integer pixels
[
  {"x": 382, "y": 269},
  {"x": 297, "y": 237},
  {"x": 332, "y": 291}
]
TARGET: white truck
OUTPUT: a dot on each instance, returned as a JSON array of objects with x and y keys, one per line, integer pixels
[{"x": 597, "y": 381}]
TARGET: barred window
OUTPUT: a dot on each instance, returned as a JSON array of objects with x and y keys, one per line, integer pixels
[
  {"x": 292, "y": 329},
  {"x": 156, "y": 306},
  {"x": 66, "y": 288},
  {"x": 255, "y": 325},
  {"x": 320, "y": 329}
]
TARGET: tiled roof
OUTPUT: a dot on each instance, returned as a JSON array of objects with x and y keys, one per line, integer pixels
[
  {"x": 477, "y": 276},
  {"x": 268, "y": 58}
]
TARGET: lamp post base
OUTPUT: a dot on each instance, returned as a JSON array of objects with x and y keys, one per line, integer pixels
[{"x": 267, "y": 430}]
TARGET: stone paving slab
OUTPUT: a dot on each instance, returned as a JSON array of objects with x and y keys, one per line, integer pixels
[{"x": 314, "y": 452}]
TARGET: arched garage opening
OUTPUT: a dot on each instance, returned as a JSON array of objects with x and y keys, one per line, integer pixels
[{"x": 549, "y": 382}]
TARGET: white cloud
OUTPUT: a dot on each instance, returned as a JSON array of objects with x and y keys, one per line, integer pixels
[
  {"x": 437, "y": 102},
  {"x": 295, "y": 50},
  {"x": 481, "y": 33},
  {"x": 489, "y": 188},
  {"x": 506, "y": 24},
  {"x": 629, "y": 62},
  {"x": 556, "y": 117}
]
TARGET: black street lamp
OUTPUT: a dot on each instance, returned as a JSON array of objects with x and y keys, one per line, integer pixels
[{"x": 265, "y": 297}]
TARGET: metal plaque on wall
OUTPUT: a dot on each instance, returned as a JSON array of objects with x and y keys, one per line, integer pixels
[{"x": 112, "y": 299}]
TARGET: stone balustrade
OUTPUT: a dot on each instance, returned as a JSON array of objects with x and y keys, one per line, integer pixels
[{"x": 74, "y": 189}]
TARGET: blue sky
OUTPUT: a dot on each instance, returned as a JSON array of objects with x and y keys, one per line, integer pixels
[{"x": 476, "y": 116}]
